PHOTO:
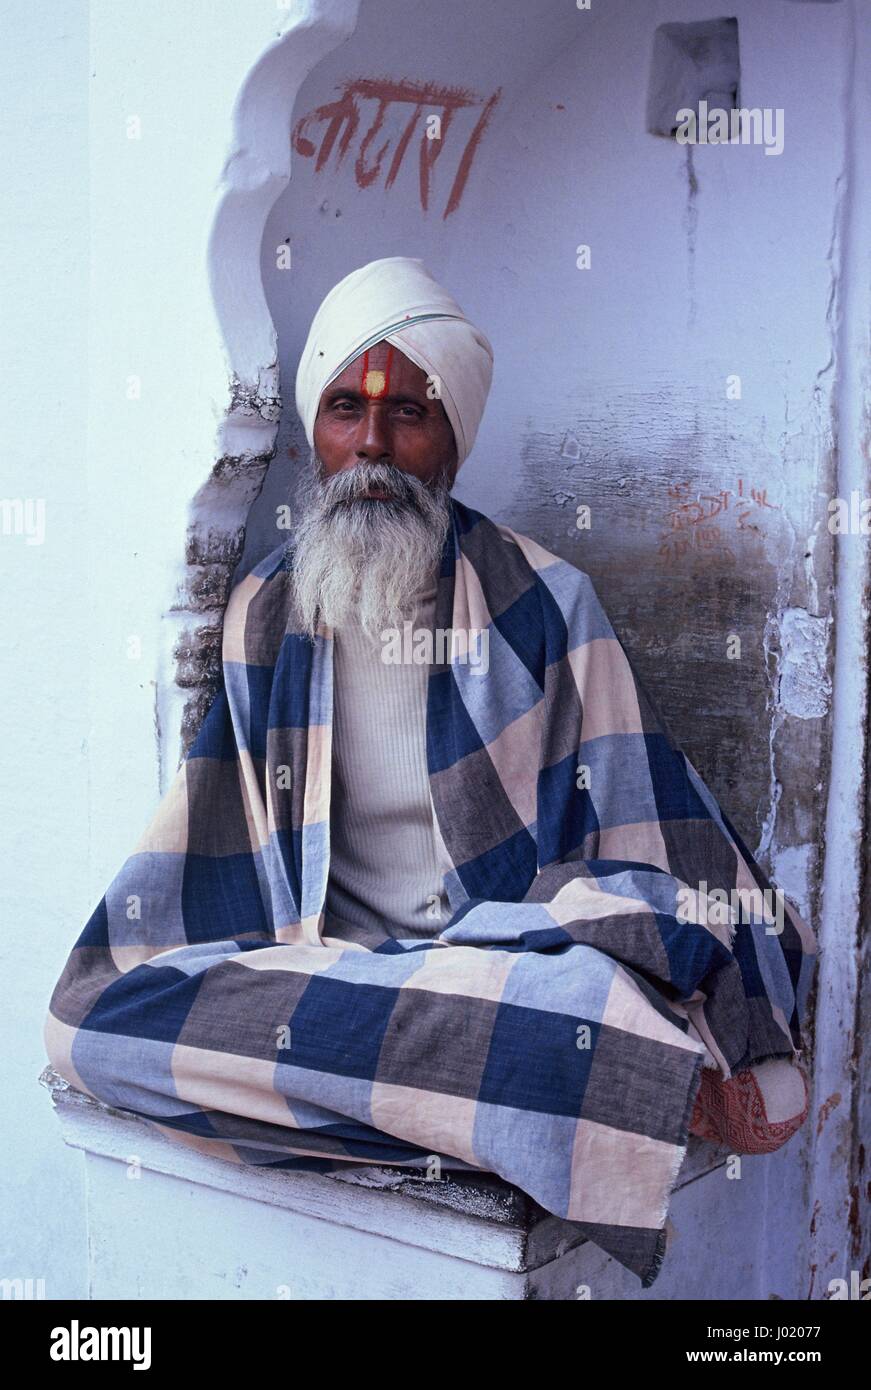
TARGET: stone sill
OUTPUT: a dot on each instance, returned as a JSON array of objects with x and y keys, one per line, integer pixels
[{"x": 470, "y": 1220}]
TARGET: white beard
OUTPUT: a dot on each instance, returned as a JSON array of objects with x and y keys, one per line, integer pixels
[{"x": 362, "y": 558}]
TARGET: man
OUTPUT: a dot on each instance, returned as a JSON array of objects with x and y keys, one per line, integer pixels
[
  {"x": 447, "y": 914},
  {"x": 375, "y": 517}
]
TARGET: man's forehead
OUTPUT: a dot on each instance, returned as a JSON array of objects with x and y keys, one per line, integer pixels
[{"x": 377, "y": 369}]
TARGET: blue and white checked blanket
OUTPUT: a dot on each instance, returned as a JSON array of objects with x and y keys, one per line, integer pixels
[{"x": 553, "y": 1031}]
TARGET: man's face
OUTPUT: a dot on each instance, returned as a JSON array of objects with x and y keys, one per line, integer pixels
[
  {"x": 378, "y": 411},
  {"x": 373, "y": 509}
]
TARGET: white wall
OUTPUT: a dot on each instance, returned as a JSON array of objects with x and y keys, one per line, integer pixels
[{"x": 46, "y": 837}]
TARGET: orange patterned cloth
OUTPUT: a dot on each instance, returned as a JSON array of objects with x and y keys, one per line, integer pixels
[{"x": 733, "y": 1112}]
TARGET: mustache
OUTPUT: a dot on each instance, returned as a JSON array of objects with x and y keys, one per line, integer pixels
[{"x": 352, "y": 484}]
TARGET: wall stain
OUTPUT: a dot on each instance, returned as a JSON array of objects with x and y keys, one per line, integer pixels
[{"x": 752, "y": 726}]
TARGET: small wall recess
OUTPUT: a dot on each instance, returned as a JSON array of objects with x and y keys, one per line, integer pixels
[{"x": 692, "y": 63}]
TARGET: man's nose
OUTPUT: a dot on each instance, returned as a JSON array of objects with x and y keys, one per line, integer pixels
[{"x": 374, "y": 442}]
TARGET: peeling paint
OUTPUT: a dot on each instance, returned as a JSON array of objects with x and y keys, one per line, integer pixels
[
  {"x": 792, "y": 867},
  {"x": 229, "y": 467},
  {"x": 796, "y": 652},
  {"x": 215, "y": 542},
  {"x": 249, "y": 398},
  {"x": 214, "y": 546},
  {"x": 206, "y": 587},
  {"x": 468, "y": 1196},
  {"x": 198, "y": 657},
  {"x": 805, "y": 686},
  {"x": 831, "y": 1103}
]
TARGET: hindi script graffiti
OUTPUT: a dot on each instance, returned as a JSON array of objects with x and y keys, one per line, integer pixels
[
  {"x": 401, "y": 104},
  {"x": 689, "y": 519}
]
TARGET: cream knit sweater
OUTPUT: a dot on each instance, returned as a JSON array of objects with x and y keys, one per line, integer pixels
[{"x": 386, "y": 858}]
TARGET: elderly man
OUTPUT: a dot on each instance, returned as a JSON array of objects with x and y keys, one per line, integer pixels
[
  {"x": 442, "y": 913},
  {"x": 367, "y": 549}
]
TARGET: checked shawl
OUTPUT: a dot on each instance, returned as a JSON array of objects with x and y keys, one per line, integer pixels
[{"x": 553, "y": 1030}]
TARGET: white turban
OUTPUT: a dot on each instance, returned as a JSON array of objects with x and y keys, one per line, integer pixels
[{"x": 397, "y": 300}]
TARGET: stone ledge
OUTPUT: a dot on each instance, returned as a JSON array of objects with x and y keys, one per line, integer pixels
[{"x": 470, "y": 1217}]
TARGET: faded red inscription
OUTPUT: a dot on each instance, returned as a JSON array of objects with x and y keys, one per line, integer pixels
[
  {"x": 690, "y": 521},
  {"x": 402, "y": 104}
]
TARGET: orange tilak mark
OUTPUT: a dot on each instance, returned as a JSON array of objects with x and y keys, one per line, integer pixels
[
  {"x": 373, "y": 384},
  {"x": 373, "y": 381}
]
